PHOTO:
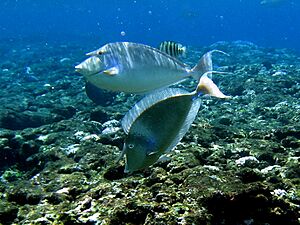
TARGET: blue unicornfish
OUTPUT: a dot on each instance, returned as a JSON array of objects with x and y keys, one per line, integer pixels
[
  {"x": 156, "y": 124},
  {"x": 137, "y": 68}
]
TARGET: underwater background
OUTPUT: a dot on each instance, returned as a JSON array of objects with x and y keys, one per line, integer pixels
[
  {"x": 273, "y": 24},
  {"x": 60, "y": 137}
]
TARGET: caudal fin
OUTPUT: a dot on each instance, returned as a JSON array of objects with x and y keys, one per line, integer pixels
[
  {"x": 204, "y": 65},
  {"x": 183, "y": 50},
  {"x": 207, "y": 86}
]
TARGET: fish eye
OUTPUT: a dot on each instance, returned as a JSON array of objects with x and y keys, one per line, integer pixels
[
  {"x": 131, "y": 146},
  {"x": 100, "y": 52}
]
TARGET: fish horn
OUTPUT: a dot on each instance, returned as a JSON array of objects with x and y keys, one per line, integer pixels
[
  {"x": 207, "y": 86},
  {"x": 79, "y": 67}
]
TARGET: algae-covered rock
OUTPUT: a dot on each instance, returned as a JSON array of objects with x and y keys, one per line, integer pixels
[
  {"x": 238, "y": 164},
  {"x": 8, "y": 212}
]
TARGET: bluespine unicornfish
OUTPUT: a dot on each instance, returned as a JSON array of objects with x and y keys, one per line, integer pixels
[
  {"x": 137, "y": 68},
  {"x": 172, "y": 48},
  {"x": 156, "y": 124}
]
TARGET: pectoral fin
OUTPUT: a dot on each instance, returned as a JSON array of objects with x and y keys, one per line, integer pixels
[{"x": 111, "y": 71}]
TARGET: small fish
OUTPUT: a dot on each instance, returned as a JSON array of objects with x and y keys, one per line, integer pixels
[
  {"x": 29, "y": 75},
  {"x": 172, "y": 48},
  {"x": 156, "y": 124},
  {"x": 137, "y": 68}
]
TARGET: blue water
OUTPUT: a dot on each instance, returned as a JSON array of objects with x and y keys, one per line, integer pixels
[{"x": 192, "y": 22}]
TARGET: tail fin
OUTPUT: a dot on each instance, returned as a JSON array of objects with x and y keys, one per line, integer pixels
[
  {"x": 204, "y": 65},
  {"x": 183, "y": 50},
  {"x": 207, "y": 86}
]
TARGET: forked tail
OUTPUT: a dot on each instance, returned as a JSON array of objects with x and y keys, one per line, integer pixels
[
  {"x": 204, "y": 65},
  {"x": 207, "y": 86}
]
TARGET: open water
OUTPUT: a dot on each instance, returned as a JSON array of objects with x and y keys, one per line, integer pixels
[{"x": 192, "y": 22}]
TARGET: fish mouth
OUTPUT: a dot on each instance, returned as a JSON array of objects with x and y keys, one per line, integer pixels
[
  {"x": 94, "y": 74},
  {"x": 88, "y": 75}
]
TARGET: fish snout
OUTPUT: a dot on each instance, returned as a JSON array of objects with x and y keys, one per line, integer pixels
[
  {"x": 82, "y": 69},
  {"x": 90, "y": 66},
  {"x": 79, "y": 68}
]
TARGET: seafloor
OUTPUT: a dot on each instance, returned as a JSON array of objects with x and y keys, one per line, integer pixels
[{"x": 238, "y": 164}]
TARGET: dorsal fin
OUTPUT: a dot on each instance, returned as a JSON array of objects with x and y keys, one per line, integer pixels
[{"x": 147, "y": 102}]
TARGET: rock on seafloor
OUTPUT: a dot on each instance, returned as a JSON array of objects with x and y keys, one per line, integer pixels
[{"x": 238, "y": 164}]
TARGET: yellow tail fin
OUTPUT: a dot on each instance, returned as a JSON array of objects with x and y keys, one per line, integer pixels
[{"x": 207, "y": 86}]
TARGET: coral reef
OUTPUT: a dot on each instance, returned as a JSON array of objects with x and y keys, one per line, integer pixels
[{"x": 238, "y": 164}]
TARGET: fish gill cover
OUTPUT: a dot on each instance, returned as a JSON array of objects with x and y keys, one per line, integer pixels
[{"x": 239, "y": 162}]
